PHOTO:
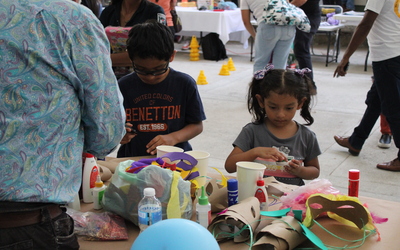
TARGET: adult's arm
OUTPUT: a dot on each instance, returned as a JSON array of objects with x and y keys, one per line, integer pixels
[
  {"x": 246, "y": 18},
  {"x": 359, "y": 36}
]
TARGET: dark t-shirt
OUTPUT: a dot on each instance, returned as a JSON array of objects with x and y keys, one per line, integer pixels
[
  {"x": 159, "y": 109},
  {"x": 110, "y": 16}
]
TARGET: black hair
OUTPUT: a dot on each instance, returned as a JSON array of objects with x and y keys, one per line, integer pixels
[
  {"x": 150, "y": 40},
  {"x": 281, "y": 82}
]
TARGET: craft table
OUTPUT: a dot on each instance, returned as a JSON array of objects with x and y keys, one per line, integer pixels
[
  {"x": 228, "y": 23},
  {"x": 382, "y": 208}
]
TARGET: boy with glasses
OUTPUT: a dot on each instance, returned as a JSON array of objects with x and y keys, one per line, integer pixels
[{"x": 163, "y": 106}]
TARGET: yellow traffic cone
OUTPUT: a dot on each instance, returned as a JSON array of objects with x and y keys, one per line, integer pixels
[
  {"x": 201, "y": 79},
  {"x": 194, "y": 49},
  {"x": 224, "y": 70},
  {"x": 231, "y": 66}
]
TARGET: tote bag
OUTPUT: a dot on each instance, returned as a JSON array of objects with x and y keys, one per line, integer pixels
[{"x": 177, "y": 21}]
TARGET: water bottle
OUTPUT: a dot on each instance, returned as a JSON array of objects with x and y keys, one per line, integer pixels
[{"x": 149, "y": 209}]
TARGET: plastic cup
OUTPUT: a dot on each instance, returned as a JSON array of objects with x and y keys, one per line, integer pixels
[
  {"x": 163, "y": 149},
  {"x": 247, "y": 175},
  {"x": 202, "y": 164}
]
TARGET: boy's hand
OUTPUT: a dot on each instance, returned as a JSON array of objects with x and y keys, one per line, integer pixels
[
  {"x": 270, "y": 153},
  {"x": 130, "y": 133},
  {"x": 294, "y": 167},
  {"x": 157, "y": 141}
]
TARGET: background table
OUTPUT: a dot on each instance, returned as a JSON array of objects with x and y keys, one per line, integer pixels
[{"x": 228, "y": 24}]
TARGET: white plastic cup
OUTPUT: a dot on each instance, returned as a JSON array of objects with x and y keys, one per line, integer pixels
[
  {"x": 163, "y": 149},
  {"x": 202, "y": 164},
  {"x": 247, "y": 175}
]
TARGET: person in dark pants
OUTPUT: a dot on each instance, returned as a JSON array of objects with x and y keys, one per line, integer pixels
[
  {"x": 381, "y": 24},
  {"x": 302, "y": 40}
]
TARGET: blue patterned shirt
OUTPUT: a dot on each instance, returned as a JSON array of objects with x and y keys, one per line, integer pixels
[{"x": 59, "y": 97}]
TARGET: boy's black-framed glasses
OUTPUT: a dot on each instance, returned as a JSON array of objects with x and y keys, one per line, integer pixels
[{"x": 151, "y": 72}]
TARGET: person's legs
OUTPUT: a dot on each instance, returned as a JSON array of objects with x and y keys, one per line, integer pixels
[
  {"x": 266, "y": 39},
  {"x": 301, "y": 49},
  {"x": 371, "y": 114},
  {"x": 387, "y": 78},
  {"x": 386, "y": 137},
  {"x": 385, "y": 128},
  {"x": 282, "y": 47}
]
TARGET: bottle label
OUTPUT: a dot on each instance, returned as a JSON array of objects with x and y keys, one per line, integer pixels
[
  {"x": 232, "y": 197},
  {"x": 149, "y": 214},
  {"x": 93, "y": 176},
  {"x": 260, "y": 195}
]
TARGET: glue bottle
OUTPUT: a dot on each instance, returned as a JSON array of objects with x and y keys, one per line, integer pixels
[
  {"x": 261, "y": 194},
  {"x": 354, "y": 182},
  {"x": 98, "y": 192},
  {"x": 90, "y": 172},
  {"x": 203, "y": 209},
  {"x": 232, "y": 192}
]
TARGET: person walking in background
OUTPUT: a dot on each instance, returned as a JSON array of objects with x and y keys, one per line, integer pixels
[
  {"x": 163, "y": 106},
  {"x": 275, "y": 31},
  {"x": 167, "y": 6},
  {"x": 126, "y": 13},
  {"x": 274, "y": 97},
  {"x": 386, "y": 137},
  {"x": 59, "y": 98},
  {"x": 381, "y": 24},
  {"x": 302, "y": 40}
]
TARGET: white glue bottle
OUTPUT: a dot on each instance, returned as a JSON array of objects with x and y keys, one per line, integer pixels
[
  {"x": 98, "y": 192},
  {"x": 261, "y": 194},
  {"x": 203, "y": 209},
  {"x": 90, "y": 172}
]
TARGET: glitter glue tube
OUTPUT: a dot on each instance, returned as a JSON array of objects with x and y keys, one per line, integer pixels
[{"x": 354, "y": 182}]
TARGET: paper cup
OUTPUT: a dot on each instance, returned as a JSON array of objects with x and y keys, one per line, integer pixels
[
  {"x": 247, "y": 175},
  {"x": 202, "y": 164},
  {"x": 163, "y": 149}
]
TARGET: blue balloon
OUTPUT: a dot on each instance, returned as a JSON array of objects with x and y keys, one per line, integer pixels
[{"x": 175, "y": 234}]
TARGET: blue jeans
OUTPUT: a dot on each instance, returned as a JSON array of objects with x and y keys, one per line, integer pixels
[
  {"x": 273, "y": 38},
  {"x": 56, "y": 233},
  {"x": 384, "y": 96}
]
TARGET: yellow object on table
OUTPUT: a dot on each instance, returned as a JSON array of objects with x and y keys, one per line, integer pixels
[{"x": 327, "y": 10}]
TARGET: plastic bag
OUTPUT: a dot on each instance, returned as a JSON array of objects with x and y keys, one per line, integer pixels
[
  {"x": 99, "y": 226},
  {"x": 126, "y": 190},
  {"x": 296, "y": 199}
]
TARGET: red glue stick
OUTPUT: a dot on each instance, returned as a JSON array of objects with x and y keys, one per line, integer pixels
[{"x": 354, "y": 182}]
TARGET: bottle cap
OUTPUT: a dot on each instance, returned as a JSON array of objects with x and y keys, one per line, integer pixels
[
  {"x": 232, "y": 184},
  {"x": 203, "y": 199},
  {"x": 89, "y": 155},
  {"x": 149, "y": 191},
  {"x": 98, "y": 182},
  {"x": 260, "y": 183},
  {"x": 354, "y": 174}
]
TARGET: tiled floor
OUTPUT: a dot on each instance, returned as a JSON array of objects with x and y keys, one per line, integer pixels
[{"x": 337, "y": 109}]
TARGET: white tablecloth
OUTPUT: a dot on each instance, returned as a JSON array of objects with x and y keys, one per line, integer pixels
[{"x": 228, "y": 24}]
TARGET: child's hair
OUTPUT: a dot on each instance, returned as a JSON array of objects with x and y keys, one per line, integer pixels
[
  {"x": 290, "y": 82},
  {"x": 150, "y": 40}
]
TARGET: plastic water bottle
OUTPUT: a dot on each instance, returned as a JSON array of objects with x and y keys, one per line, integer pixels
[{"x": 149, "y": 209}]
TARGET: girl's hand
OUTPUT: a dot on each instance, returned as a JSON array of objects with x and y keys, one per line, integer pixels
[
  {"x": 294, "y": 167},
  {"x": 270, "y": 153}
]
